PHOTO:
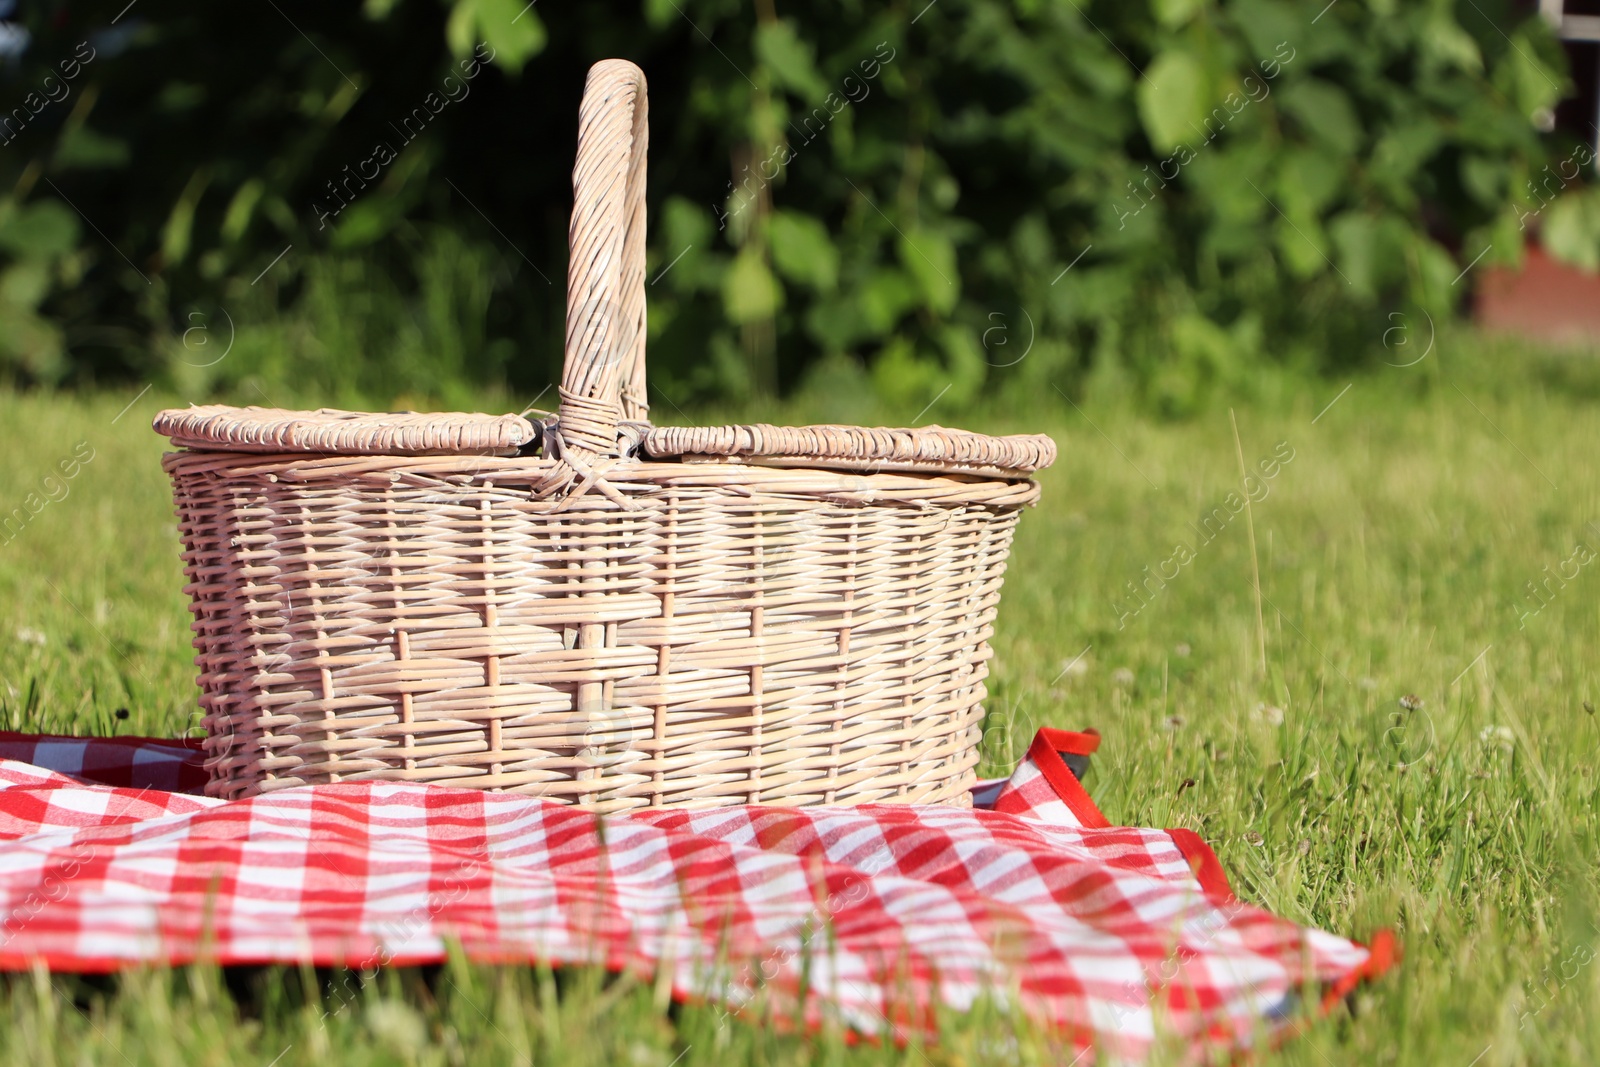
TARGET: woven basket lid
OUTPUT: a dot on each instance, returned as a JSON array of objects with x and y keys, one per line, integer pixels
[
  {"x": 933, "y": 449},
  {"x": 332, "y": 432},
  {"x": 604, "y": 405}
]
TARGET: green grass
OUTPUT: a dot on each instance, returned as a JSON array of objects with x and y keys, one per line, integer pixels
[{"x": 1393, "y": 552}]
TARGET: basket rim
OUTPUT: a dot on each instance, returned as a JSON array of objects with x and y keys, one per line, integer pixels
[{"x": 335, "y": 432}]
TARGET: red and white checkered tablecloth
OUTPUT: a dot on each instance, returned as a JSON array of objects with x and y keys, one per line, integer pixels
[{"x": 109, "y": 856}]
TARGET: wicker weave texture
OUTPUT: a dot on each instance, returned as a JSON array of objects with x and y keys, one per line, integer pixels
[{"x": 813, "y": 638}]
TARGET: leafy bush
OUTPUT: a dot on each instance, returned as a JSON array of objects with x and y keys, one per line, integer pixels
[{"x": 937, "y": 200}]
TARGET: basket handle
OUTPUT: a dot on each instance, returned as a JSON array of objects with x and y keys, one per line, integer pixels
[{"x": 603, "y": 380}]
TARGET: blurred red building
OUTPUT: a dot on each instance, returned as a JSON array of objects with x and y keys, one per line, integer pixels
[{"x": 1546, "y": 299}]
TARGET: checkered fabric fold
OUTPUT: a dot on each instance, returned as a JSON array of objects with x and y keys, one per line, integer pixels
[{"x": 874, "y": 915}]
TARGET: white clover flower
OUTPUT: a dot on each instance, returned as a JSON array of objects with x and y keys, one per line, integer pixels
[
  {"x": 1499, "y": 737},
  {"x": 1270, "y": 714}
]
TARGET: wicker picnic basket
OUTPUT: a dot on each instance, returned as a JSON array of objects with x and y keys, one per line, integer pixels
[{"x": 591, "y": 608}]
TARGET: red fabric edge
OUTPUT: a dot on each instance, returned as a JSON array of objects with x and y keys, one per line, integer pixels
[
  {"x": 1382, "y": 954},
  {"x": 194, "y": 744},
  {"x": 1208, "y": 870},
  {"x": 1045, "y": 752},
  {"x": 1076, "y": 742}
]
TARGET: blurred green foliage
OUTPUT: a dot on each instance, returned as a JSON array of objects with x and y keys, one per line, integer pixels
[{"x": 929, "y": 200}]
